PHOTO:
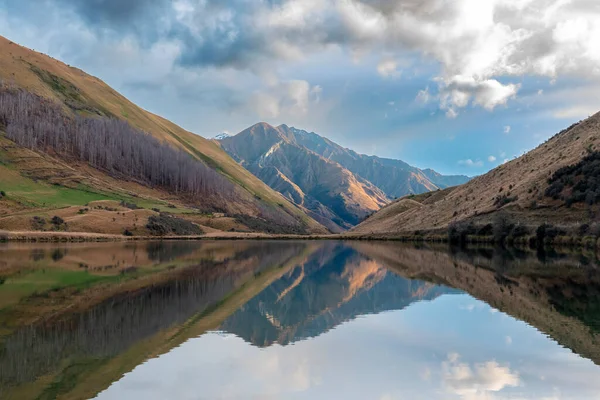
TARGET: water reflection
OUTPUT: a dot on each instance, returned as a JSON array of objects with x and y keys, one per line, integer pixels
[
  {"x": 335, "y": 285},
  {"x": 296, "y": 320}
]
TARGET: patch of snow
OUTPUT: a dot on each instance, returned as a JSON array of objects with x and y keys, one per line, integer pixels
[{"x": 222, "y": 136}]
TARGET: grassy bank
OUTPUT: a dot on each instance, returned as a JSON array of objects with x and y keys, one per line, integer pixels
[
  {"x": 532, "y": 241},
  {"x": 65, "y": 237}
]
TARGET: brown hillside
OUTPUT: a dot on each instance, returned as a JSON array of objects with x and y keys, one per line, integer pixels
[
  {"x": 517, "y": 189},
  {"x": 86, "y": 95}
]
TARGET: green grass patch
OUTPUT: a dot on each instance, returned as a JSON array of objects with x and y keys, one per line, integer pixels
[{"x": 40, "y": 194}]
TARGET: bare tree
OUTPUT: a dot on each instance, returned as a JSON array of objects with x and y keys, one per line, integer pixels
[{"x": 107, "y": 144}]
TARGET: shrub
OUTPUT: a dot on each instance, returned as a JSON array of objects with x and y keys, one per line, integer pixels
[
  {"x": 520, "y": 231},
  {"x": 127, "y": 232},
  {"x": 131, "y": 206},
  {"x": 486, "y": 230},
  {"x": 262, "y": 225},
  {"x": 163, "y": 224},
  {"x": 156, "y": 210},
  {"x": 540, "y": 234},
  {"x": 83, "y": 211},
  {"x": 3, "y": 236},
  {"x": 583, "y": 229},
  {"x": 458, "y": 232},
  {"x": 582, "y": 178},
  {"x": 56, "y": 220},
  {"x": 2, "y": 193},
  {"x": 547, "y": 232},
  {"x": 502, "y": 228},
  {"x": 501, "y": 201},
  {"x": 38, "y": 223}
]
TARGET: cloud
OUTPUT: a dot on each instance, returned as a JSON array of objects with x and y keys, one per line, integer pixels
[
  {"x": 471, "y": 39},
  {"x": 470, "y": 163},
  {"x": 424, "y": 96},
  {"x": 388, "y": 69},
  {"x": 462, "y": 90},
  {"x": 476, "y": 381},
  {"x": 507, "y": 129},
  {"x": 491, "y": 159},
  {"x": 576, "y": 112},
  {"x": 482, "y": 48},
  {"x": 291, "y": 98}
]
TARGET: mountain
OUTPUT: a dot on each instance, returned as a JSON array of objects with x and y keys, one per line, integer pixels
[
  {"x": 556, "y": 183},
  {"x": 338, "y": 186},
  {"x": 396, "y": 178},
  {"x": 333, "y": 195},
  {"x": 84, "y": 143}
]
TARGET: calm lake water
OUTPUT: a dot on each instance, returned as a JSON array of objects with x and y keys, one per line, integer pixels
[{"x": 296, "y": 320}]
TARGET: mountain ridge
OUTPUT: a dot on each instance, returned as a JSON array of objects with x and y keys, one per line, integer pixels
[
  {"x": 332, "y": 195},
  {"x": 338, "y": 186},
  {"x": 367, "y": 166}
]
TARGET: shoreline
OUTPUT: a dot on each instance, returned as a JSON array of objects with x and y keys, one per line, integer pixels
[
  {"x": 80, "y": 237},
  {"x": 586, "y": 242}
]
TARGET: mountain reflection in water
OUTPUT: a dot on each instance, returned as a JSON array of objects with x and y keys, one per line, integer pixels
[{"x": 125, "y": 319}]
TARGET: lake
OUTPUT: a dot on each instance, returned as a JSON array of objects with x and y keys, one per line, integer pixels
[{"x": 297, "y": 320}]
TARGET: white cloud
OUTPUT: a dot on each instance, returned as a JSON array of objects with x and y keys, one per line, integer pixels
[
  {"x": 470, "y": 163},
  {"x": 576, "y": 112},
  {"x": 451, "y": 113},
  {"x": 476, "y": 381},
  {"x": 507, "y": 129},
  {"x": 462, "y": 90},
  {"x": 491, "y": 158},
  {"x": 388, "y": 69},
  {"x": 479, "y": 44},
  {"x": 423, "y": 96},
  {"x": 291, "y": 97}
]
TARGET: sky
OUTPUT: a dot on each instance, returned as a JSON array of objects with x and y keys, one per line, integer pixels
[{"x": 460, "y": 86}]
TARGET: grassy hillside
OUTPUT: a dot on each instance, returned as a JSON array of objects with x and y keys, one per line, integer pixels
[
  {"x": 541, "y": 187},
  {"x": 84, "y": 95}
]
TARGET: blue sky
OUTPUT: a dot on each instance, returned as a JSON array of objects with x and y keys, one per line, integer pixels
[{"x": 459, "y": 86}]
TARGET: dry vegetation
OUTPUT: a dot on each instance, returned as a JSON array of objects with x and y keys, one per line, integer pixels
[{"x": 565, "y": 168}]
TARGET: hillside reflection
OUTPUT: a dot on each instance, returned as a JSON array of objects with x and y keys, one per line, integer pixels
[{"x": 74, "y": 319}]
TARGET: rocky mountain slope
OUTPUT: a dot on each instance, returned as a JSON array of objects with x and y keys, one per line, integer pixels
[
  {"x": 333, "y": 195},
  {"x": 338, "y": 186},
  {"x": 556, "y": 183},
  {"x": 396, "y": 178},
  {"x": 38, "y": 177}
]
